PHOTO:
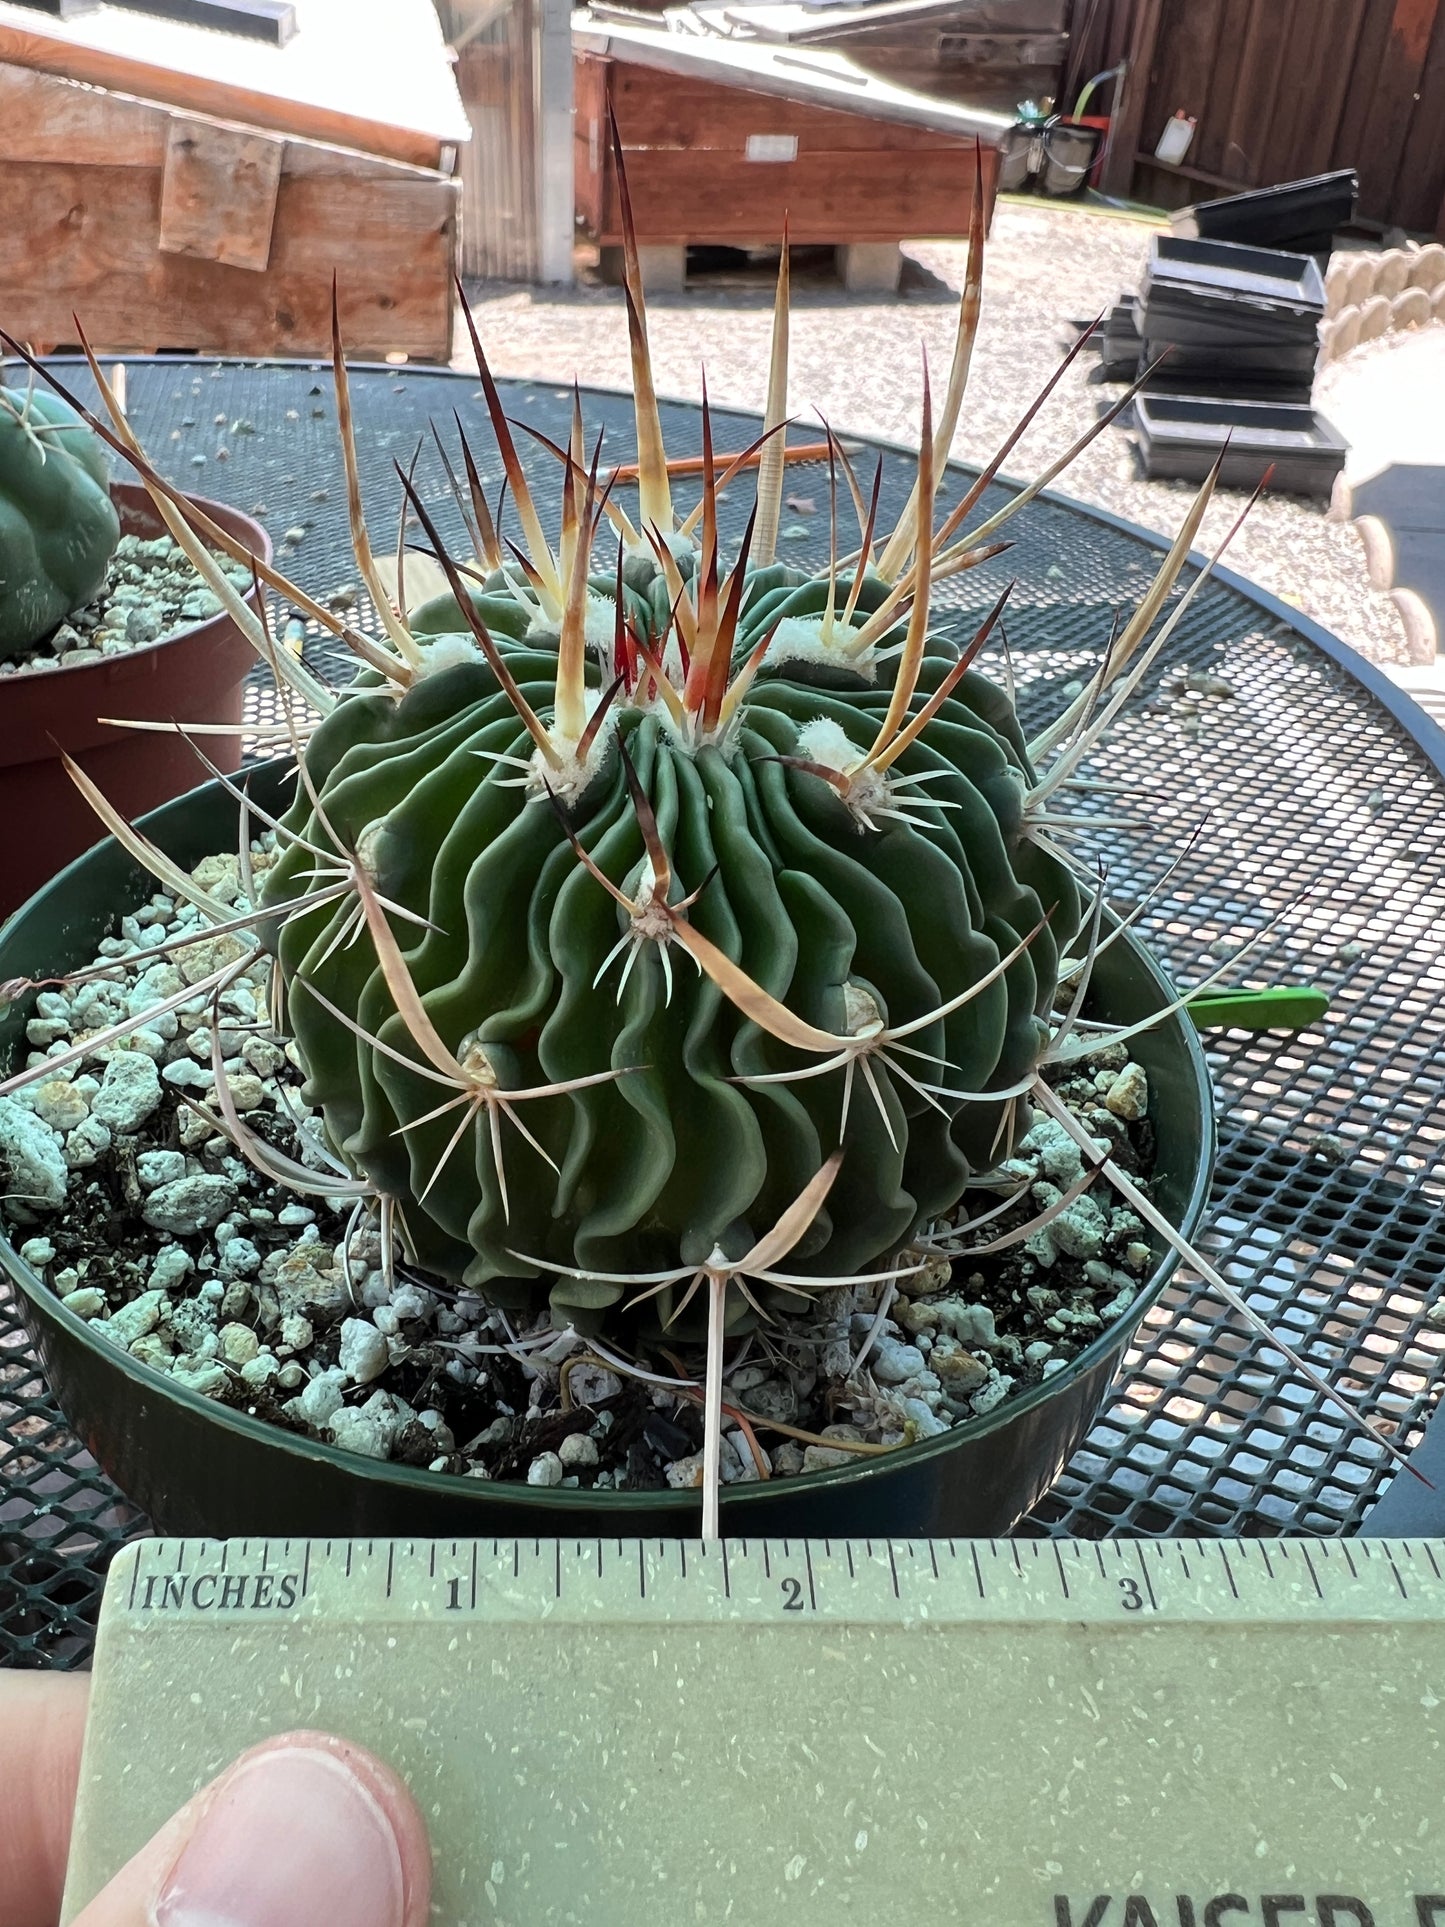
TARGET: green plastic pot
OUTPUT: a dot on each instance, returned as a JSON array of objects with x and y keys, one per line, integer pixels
[{"x": 198, "y": 1468}]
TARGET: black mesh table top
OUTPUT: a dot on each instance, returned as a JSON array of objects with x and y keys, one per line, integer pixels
[{"x": 1321, "y": 792}]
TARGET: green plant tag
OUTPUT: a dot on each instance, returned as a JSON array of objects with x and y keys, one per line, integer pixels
[{"x": 1280, "y": 1007}]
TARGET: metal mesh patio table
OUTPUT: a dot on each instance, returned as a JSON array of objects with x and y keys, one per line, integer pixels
[{"x": 1321, "y": 792}]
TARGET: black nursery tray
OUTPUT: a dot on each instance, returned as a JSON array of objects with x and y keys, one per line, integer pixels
[
  {"x": 1299, "y": 215},
  {"x": 1119, "y": 339},
  {"x": 1219, "y": 380},
  {"x": 1232, "y": 368},
  {"x": 1182, "y": 436},
  {"x": 1216, "y": 289}
]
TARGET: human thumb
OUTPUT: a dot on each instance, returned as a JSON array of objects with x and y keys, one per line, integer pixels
[{"x": 303, "y": 1828}]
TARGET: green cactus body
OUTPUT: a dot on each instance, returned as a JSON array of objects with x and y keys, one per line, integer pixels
[
  {"x": 58, "y": 526},
  {"x": 677, "y": 1153}
]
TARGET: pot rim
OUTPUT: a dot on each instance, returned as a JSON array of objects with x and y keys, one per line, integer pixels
[
  {"x": 124, "y": 493},
  {"x": 402, "y": 1478}
]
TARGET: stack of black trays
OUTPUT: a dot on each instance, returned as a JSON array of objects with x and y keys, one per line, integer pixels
[
  {"x": 1244, "y": 318},
  {"x": 1226, "y": 324}
]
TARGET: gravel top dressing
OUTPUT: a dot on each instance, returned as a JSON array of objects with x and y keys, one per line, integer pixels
[
  {"x": 151, "y": 592},
  {"x": 143, "y": 1218}
]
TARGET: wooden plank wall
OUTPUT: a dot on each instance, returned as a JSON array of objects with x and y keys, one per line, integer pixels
[
  {"x": 1282, "y": 89},
  {"x": 137, "y": 217}
]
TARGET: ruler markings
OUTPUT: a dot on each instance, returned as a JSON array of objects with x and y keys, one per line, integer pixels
[
  {"x": 656, "y": 1578},
  {"x": 1399, "y": 1581},
  {"x": 1314, "y": 1576},
  {"x": 1228, "y": 1570},
  {"x": 1148, "y": 1582}
]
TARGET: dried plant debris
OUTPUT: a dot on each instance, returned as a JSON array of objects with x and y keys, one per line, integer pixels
[{"x": 145, "y": 1221}]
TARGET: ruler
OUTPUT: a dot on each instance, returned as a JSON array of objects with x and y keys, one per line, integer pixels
[{"x": 1013, "y": 1733}]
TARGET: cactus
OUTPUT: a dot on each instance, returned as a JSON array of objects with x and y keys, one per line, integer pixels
[
  {"x": 58, "y": 526},
  {"x": 640, "y": 941},
  {"x": 691, "y": 902}
]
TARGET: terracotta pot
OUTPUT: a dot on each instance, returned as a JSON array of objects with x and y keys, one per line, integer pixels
[{"x": 195, "y": 675}]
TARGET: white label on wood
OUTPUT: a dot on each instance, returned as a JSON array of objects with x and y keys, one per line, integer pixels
[
  {"x": 772, "y": 147},
  {"x": 218, "y": 194}
]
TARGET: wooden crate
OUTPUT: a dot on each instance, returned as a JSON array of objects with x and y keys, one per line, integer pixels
[
  {"x": 167, "y": 229},
  {"x": 703, "y": 165}
]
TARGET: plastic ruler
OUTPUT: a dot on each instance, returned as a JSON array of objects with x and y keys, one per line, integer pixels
[{"x": 1014, "y": 1733}]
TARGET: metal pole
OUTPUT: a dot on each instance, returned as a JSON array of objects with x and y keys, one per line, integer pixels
[{"x": 552, "y": 66}]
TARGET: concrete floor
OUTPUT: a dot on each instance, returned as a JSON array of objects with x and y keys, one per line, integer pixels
[{"x": 1388, "y": 399}]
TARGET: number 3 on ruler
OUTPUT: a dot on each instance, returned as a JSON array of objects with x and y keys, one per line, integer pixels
[{"x": 1133, "y": 1600}]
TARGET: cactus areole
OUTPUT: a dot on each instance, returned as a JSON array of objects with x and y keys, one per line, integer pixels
[{"x": 58, "y": 526}]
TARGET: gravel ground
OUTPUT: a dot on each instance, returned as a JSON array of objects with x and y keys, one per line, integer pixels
[{"x": 856, "y": 359}]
